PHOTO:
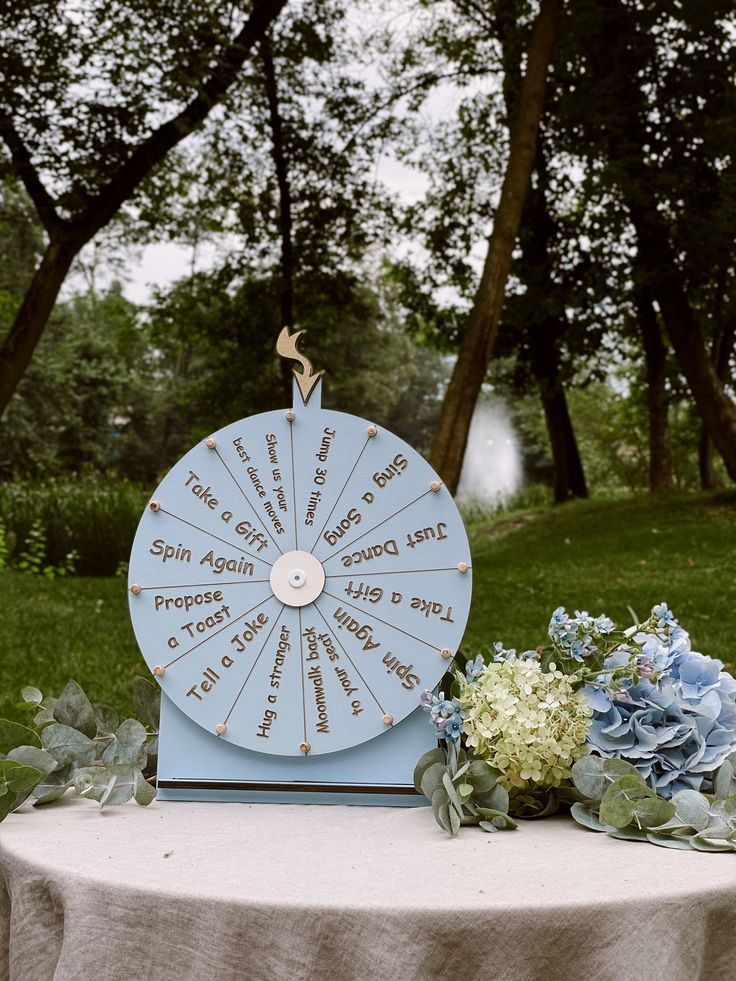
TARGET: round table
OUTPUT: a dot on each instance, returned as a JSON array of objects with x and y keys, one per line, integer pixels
[{"x": 256, "y": 891}]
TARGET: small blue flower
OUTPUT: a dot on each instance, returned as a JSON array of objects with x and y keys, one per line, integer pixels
[
  {"x": 427, "y": 698},
  {"x": 664, "y": 616},
  {"x": 581, "y": 648},
  {"x": 603, "y": 625},
  {"x": 453, "y": 727},
  {"x": 502, "y": 654},
  {"x": 474, "y": 669}
]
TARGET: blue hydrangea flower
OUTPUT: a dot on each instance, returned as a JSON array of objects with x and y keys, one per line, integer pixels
[
  {"x": 675, "y": 723},
  {"x": 698, "y": 675}
]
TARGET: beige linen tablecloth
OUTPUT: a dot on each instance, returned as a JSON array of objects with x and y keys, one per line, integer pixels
[{"x": 238, "y": 891}]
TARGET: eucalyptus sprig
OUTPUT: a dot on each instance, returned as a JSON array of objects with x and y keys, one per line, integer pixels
[
  {"x": 462, "y": 791},
  {"x": 617, "y": 801},
  {"x": 75, "y": 745}
]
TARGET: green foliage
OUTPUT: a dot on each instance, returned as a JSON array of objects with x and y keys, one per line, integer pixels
[
  {"x": 373, "y": 368},
  {"x": 84, "y": 525},
  {"x": 617, "y": 801},
  {"x": 4, "y": 547},
  {"x": 91, "y": 391},
  {"x": 31, "y": 557},
  {"x": 462, "y": 790},
  {"x": 75, "y": 744}
]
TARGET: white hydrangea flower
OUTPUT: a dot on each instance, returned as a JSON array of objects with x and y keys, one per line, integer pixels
[{"x": 526, "y": 722}]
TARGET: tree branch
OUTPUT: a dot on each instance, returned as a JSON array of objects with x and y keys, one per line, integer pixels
[
  {"x": 154, "y": 148},
  {"x": 24, "y": 169}
]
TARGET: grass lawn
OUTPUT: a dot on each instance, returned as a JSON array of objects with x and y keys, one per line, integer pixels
[
  {"x": 599, "y": 556},
  {"x": 604, "y": 558}
]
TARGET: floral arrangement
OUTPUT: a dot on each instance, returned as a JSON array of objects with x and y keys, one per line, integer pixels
[
  {"x": 72, "y": 744},
  {"x": 632, "y": 730}
]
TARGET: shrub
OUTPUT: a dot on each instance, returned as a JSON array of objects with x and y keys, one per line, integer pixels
[{"x": 88, "y": 524}]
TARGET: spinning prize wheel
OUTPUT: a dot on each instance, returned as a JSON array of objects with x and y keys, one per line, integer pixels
[{"x": 296, "y": 581}]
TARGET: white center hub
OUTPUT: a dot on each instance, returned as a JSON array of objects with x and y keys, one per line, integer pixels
[{"x": 297, "y": 578}]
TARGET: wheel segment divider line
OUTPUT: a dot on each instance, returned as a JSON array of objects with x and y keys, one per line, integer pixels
[
  {"x": 253, "y": 665},
  {"x": 227, "y": 626},
  {"x": 339, "y": 496},
  {"x": 384, "y": 622},
  {"x": 211, "y": 534},
  {"x": 369, "y": 530},
  {"x": 355, "y": 666},
  {"x": 261, "y": 522}
]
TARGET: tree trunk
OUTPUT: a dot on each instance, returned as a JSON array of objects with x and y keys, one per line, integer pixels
[
  {"x": 722, "y": 349},
  {"x": 20, "y": 343},
  {"x": 716, "y": 409},
  {"x": 569, "y": 476},
  {"x": 278, "y": 152},
  {"x": 625, "y": 139},
  {"x": 66, "y": 238},
  {"x": 470, "y": 368},
  {"x": 655, "y": 356}
]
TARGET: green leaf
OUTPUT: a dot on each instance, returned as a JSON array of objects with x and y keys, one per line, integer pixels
[
  {"x": 482, "y": 776},
  {"x": 143, "y": 792},
  {"x": 18, "y": 777},
  {"x": 465, "y": 789},
  {"x": 45, "y": 713},
  {"x": 429, "y": 758},
  {"x": 452, "y": 793},
  {"x": 585, "y": 816},
  {"x": 53, "y": 785},
  {"x": 496, "y": 798},
  {"x": 723, "y": 780},
  {"x": 499, "y": 819},
  {"x": 461, "y": 772},
  {"x": 454, "y": 822},
  {"x": 729, "y": 806},
  {"x": 7, "y": 803},
  {"x": 74, "y": 709},
  {"x": 33, "y": 756},
  {"x": 692, "y": 809},
  {"x": 432, "y": 779},
  {"x": 666, "y": 842},
  {"x": 106, "y": 718},
  {"x": 127, "y": 745},
  {"x": 615, "y": 768},
  {"x": 441, "y": 809},
  {"x": 701, "y": 845},
  {"x": 487, "y": 826},
  {"x": 12, "y": 735},
  {"x": 91, "y": 781},
  {"x": 622, "y": 800},
  {"x": 31, "y": 694},
  {"x": 629, "y": 833},
  {"x": 120, "y": 786},
  {"x": 588, "y": 777},
  {"x": 147, "y": 702},
  {"x": 68, "y": 745},
  {"x": 718, "y": 831}
]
